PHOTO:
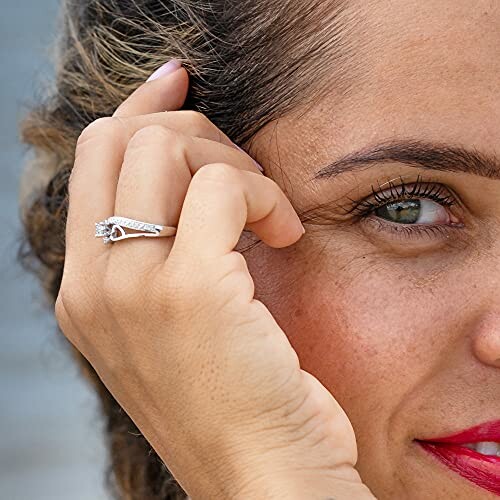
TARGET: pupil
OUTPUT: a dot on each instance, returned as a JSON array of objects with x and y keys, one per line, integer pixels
[{"x": 404, "y": 211}]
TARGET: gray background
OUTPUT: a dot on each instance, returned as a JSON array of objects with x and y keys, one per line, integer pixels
[{"x": 50, "y": 442}]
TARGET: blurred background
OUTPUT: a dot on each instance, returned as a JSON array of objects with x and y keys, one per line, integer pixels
[{"x": 50, "y": 444}]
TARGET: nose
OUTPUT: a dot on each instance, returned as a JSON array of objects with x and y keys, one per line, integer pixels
[{"x": 486, "y": 342}]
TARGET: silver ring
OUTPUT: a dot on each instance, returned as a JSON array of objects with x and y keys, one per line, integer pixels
[{"x": 113, "y": 229}]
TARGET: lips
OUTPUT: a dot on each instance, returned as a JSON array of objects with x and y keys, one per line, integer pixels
[{"x": 481, "y": 469}]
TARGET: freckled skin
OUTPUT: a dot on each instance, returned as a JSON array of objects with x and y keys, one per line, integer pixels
[{"x": 404, "y": 333}]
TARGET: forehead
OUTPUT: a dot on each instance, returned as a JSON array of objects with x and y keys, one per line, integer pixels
[
  {"x": 428, "y": 69},
  {"x": 441, "y": 50},
  {"x": 432, "y": 62}
]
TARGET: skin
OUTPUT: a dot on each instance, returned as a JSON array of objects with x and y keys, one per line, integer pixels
[
  {"x": 171, "y": 326},
  {"x": 405, "y": 333}
]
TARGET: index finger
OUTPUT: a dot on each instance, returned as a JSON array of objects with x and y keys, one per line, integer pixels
[{"x": 221, "y": 200}]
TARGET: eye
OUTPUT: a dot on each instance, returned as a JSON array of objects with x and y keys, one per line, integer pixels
[
  {"x": 417, "y": 203},
  {"x": 409, "y": 211},
  {"x": 414, "y": 211}
]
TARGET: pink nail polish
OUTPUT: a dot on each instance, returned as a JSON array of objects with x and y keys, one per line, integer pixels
[
  {"x": 166, "y": 69},
  {"x": 256, "y": 164}
]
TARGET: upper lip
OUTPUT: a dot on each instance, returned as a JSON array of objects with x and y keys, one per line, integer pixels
[{"x": 488, "y": 431}]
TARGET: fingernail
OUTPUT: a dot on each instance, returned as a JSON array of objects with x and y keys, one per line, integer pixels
[
  {"x": 303, "y": 229},
  {"x": 256, "y": 164},
  {"x": 166, "y": 69}
]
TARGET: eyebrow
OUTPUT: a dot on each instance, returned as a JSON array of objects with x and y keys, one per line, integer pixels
[{"x": 428, "y": 155}]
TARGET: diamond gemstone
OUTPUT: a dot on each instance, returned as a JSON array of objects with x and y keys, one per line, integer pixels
[{"x": 100, "y": 229}]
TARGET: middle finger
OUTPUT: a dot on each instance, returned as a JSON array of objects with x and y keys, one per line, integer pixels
[{"x": 157, "y": 170}]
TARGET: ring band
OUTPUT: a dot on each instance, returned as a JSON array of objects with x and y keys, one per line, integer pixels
[{"x": 113, "y": 229}]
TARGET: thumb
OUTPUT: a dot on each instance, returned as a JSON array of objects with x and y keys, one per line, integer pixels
[{"x": 165, "y": 90}]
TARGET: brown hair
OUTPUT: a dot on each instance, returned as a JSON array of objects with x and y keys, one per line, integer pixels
[{"x": 250, "y": 61}]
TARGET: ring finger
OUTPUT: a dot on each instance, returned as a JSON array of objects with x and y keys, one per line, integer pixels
[{"x": 158, "y": 165}]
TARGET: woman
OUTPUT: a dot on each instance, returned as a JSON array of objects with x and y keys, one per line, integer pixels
[{"x": 378, "y": 124}]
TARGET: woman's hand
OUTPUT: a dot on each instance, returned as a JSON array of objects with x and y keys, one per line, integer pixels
[{"x": 170, "y": 324}]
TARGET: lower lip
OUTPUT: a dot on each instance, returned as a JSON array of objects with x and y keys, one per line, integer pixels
[{"x": 480, "y": 469}]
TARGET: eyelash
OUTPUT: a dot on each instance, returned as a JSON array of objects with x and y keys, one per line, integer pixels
[{"x": 401, "y": 191}]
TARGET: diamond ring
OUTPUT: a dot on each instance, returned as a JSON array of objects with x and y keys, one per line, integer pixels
[{"x": 113, "y": 229}]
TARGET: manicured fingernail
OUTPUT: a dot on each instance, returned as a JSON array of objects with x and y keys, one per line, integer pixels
[
  {"x": 166, "y": 69},
  {"x": 256, "y": 164}
]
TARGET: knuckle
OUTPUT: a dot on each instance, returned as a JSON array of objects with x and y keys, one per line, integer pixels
[
  {"x": 64, "y": 321},
  {"x": 66, "y": 302},
  {"x": 151, "y": 134},
  {"x": 196, "y": 117},
  {"x": 217, "y": 173},
  {"x": 108, "y": 127},
  {"x": 60, "y": 310},
  {"x": 74, "y": 300},
  {"x": 199, "y": 124},
  {"x": 234, "y": 283},
  {"x": 144, "y": 139},
  {"x": 234, "y": 262},
  {"x": 65, "y": 307}
]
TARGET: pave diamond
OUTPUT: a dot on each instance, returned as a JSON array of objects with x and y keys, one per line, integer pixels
[
  {"x": 133, "y": 224},
  {"x": 112, "y": 229}
]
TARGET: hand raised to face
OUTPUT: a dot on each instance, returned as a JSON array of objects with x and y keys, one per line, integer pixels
[{"x": 170, "y": 324}]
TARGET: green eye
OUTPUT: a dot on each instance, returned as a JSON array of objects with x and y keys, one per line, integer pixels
[
  {"x": 402, "y": 212},
  {"x": 418, "y": 204},
  {"x": 413, "y": 211}
]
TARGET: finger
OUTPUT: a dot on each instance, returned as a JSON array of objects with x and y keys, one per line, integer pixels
[
  {"x": 220, "y": 201},
  {"x": 91, "y": 189},
  {"x": 186, "y": 121},
  {"x": 99, "y": 157},
  {"x": 157, "y": 169},
  {"x": 166, "y": 93}
]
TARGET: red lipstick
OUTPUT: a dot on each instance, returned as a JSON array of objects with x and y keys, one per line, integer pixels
[{"x": 483, "y": 470}]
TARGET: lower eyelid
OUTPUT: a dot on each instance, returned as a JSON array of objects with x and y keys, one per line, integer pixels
[
  {"x": 445, "y": 241},
  {"x": 411, "y": 232}
]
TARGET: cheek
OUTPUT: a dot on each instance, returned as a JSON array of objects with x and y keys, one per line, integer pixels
[
  {"x": 357, "y": 325},
  {"x": 356, "y": 338},
  {"x": 381, "y": 333}
]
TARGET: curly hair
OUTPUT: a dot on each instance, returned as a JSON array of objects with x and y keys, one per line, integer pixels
[{"x": 250, "y": 62}]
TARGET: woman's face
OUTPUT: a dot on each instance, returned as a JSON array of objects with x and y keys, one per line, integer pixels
[{"x": 397, "y": 312}]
